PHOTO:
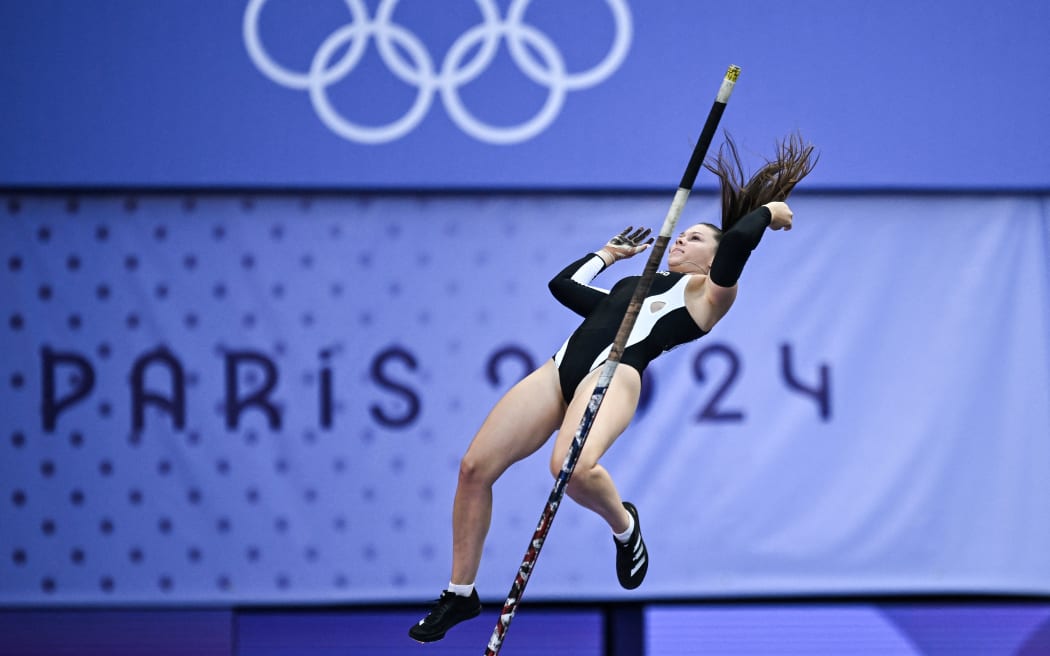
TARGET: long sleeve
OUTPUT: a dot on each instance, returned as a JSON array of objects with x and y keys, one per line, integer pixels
[
  {"x": 736, "y": 245},
  {"x": 572, "y": 285}
]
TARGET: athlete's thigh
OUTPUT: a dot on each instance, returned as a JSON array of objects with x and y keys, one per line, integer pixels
[
  {"x": 613, "y": 417},
  {"x": 521, "y": 422}
]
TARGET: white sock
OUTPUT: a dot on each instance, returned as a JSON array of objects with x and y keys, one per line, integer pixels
[
  {"x": 463, "y": 590},
  {"x": 622, "y": 538}
]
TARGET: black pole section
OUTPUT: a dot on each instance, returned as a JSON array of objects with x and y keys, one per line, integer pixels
[{"x": 707, "y": 134}]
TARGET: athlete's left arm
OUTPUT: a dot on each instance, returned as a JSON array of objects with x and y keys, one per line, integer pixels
[{"x": 735, "y": 248}]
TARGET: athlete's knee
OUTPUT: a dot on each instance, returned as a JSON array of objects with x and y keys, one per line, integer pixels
[
  {"x": 471, "y": 470},
  {"x": 583, "y": 476},
  {"x": 475, "y": 471},
  {"x": 557, "y": 462}
]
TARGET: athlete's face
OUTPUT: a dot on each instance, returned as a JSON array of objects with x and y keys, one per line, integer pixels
[{"x": 693, "y": 250}]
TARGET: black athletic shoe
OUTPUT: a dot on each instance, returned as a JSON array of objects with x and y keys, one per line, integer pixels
[
  {"x": 632, "y": 560},
  {"x": 448, "y": 611}
]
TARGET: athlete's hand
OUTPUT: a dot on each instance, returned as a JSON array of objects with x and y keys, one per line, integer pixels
[
  {"x": 628, "y": 244},
  {"x": 782, "y": 215}
]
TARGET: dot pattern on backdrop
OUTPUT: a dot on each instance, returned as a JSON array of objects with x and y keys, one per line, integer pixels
[{"x": 386, "y": 328}]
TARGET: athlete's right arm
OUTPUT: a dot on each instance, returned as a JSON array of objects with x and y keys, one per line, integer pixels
[{"x": 572, "y": 285}]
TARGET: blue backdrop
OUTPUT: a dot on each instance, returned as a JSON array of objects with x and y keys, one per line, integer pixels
[{"x": 479, "y": 93}]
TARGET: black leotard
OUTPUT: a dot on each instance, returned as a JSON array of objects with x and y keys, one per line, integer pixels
[
  {"x": 657, "y": 329},
  {"x": 663, "y": 322}
]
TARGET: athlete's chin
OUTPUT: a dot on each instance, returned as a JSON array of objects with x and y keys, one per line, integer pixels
[{"x": 685, "y": 267}]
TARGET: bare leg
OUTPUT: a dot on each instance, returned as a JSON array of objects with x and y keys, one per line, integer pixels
[
  {"x": 520, "y": 423},
  {"x": 590, "y": 485}
]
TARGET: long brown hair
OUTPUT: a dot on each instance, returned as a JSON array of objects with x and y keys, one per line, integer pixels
[{"x": 773, "y": 182}]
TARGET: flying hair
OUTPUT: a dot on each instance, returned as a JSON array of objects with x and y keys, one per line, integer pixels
[{"x": 773, "y": 182}]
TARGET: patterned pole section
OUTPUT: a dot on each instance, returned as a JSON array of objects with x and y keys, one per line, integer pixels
[{"x": 580, "y": 437}]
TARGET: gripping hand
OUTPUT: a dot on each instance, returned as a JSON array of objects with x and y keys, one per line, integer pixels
[{"x": 628, "y": 243}]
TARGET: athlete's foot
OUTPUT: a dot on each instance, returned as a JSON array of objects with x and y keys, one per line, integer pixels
[
  {"x": 448, "y": 611},
  {"x": 632, "y": 560}
]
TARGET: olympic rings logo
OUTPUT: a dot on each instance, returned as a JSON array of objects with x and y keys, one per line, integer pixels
[{"x": 422, "y": 74}]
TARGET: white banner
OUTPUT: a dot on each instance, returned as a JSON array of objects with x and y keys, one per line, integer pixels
[{"x": 265, "y": 399}]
